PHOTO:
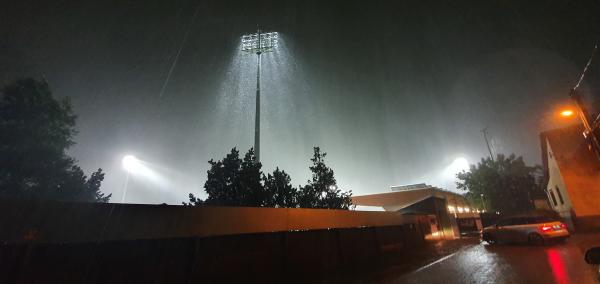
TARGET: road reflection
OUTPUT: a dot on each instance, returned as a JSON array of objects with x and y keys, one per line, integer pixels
[
  {"x": 558, "y": 266},
  {"x": 558, "y": 263}
]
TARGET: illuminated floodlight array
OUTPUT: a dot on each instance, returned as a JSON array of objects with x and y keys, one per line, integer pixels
[{"x": 268, "y": 42}]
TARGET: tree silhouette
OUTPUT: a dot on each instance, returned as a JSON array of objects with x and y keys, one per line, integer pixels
[
  {"x": 252, "y": 191},
  {"x": 222, "y": 184},
  {"x": 322, "y": 190},
  {"x": 233, "y": 182},
  {"x": 507, "y": 184},
  {"x": 36, "y": 131},
  {"x": 240, "y": 182},
  {"x": 279, "y": 190}
]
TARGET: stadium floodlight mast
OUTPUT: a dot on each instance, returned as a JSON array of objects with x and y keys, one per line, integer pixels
[{"x": 259, "y": 43}]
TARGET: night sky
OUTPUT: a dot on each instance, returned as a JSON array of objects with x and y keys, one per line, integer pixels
[{"x": 393, "y": 91}]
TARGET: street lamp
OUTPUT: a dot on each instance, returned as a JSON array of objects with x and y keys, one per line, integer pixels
[
  {"x": 566, "y": 113},
  {"x": 259, "y": 43}
]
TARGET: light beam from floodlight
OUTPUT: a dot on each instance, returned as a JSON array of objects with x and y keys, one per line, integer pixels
[
  {"x": 130, "y": 163},
  {"x": 259, "y": 43}
]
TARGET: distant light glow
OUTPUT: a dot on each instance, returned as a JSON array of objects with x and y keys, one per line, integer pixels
[
  {"x": 460, "y": 209},
  {"x": 460, "y": 164},
  {"x": 131, "y": 163},
  {"x": 566, "y": 113},
  {"x": 451, "y": 209},
  {"x": 143, "y": 170}
]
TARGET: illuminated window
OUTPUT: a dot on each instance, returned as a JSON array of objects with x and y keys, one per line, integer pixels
[{"x": 451, "y": 209}]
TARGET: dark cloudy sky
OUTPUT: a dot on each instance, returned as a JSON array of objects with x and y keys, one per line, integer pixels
[{"x": 394, "y": 91}]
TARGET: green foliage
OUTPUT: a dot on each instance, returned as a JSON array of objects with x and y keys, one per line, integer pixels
[
  {"x": 36, "y": 131},
  {"x": 507, "y": 184},
  {"x": 322, "y": 190},
  {"x": 240, "y": 182},
  {"x": 234, "y": 182},
  {"x": 222, "y": 184},
  {"x": 250, "y": 182},
  {"x": 280, "y": 191}
]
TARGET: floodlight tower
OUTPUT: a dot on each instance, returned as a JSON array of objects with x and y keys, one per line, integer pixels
[{"x": 258, "y": 43}]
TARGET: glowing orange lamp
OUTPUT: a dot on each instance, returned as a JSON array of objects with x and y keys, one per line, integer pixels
[{"x": 566, "y": 113}]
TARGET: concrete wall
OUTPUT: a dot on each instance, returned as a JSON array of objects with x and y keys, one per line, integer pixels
[
  {"x": 80, "y": 222},
  {"x": 116, "y": 243},
  {"x": 298, "y": 256}
]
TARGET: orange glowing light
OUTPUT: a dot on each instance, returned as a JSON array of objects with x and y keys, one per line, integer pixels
[{"x": 566, "y": 113}]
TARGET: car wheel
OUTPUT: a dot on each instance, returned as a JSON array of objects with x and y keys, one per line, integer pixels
[{"x": 536, "y": 239}]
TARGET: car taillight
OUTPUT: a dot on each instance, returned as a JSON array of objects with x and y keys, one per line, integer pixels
[
  {"x": 545, "y": 228},
  {"x": 562, "y": 225}
]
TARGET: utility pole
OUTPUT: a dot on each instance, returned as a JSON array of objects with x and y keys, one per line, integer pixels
[
  {"x": 258, "y": 43},
  {"x": 487, "y": 143},
  {"x": 591, "y": 127}
]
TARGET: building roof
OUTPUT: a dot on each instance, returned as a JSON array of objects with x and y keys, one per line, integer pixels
[{"x": 404, "y": 196}]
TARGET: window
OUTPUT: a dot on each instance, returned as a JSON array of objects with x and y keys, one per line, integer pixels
[
  {"x": 553, "y": 197},
  {"x": 560, "y": 196}
]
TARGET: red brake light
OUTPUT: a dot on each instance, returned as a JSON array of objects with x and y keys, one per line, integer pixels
[
  {"x": 562, "y": 225},
  {"x": 545, "y": 228}
]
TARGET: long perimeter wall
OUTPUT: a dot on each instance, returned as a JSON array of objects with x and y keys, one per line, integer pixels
[{"x": 84, "y": 222}]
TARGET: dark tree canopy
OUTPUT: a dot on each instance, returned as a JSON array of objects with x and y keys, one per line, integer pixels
[
  {"x": 240, "y": 182},
  {"x": 234, "y": 182},
  {"x": 36, "y": 131},
  {"x": 508, "y": 185},
  {"x": 322, "y": 190},
  {"x": 280, "y": 192},
  {"x": 222, "y": 184}
]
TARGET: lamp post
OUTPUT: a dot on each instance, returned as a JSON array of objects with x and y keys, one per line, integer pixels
[{"x": 258, "y": 43}]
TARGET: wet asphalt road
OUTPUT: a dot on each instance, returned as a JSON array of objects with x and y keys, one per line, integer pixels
[{"x": 558, "y": 263}]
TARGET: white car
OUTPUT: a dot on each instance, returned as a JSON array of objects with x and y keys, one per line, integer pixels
[{"x": 536, "y": 230}]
